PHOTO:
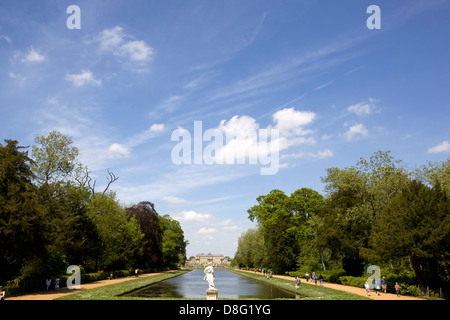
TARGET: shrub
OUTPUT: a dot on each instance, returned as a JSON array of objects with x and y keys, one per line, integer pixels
[{"x": 353, "y": 281}]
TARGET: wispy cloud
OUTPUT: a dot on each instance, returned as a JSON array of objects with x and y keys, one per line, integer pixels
[
  {"x": 355, "y": 131},
  {"x": 123, "y": 45},
  {"x": 33, "y": 56},
  {"x": 20, "y": 79},
  {"x": 86, "y": 77},
  {"x": 8, "y": 39},
  {"x": 364, "y": 107},
  {"x": 175, "y": 200}
]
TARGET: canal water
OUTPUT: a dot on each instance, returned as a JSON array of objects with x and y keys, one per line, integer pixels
[{"x": 230, "y": 285}]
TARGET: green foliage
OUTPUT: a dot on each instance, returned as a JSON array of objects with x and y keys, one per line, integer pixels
[
  {"x": 54, "y": 157},
  {"x": 120, "y": 236},
  {"x": 282, "y": 223},
  {"x": 50, "y": 219},
  {"x": 373, "y": 214}
]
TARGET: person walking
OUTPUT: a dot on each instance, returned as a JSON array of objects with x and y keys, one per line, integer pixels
[
  {"x": 307, "y": 276},
  {"x": 57, "y": 283},
  {"x": 397, "y": 289},
  {"x": 321, "y": 280},
  {"x": 297, "y": 282},
  {"x": 376, "y": 286},
  {"x": 366, "y": 285},
  {"x": 383, "y": 284},
  {"x": 48, "y": 282}
]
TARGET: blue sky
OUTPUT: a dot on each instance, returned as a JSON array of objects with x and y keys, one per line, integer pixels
[{"x": 137, "y": 71}]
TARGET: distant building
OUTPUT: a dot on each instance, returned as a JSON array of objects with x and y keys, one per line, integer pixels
[{"x": 204, "y": 259}]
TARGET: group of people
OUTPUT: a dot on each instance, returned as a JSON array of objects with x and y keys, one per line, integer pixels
[
  {"x": 381, "y": 286},
  {"x": 269, "y": 273},
  {"x": 48, "y": 282},
  {"x": 314, "y": 277}
]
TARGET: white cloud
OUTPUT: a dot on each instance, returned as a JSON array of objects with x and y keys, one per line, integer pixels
[
  {"x": 119, "y": 43},
  {"x": 117, "y": 150},
  {"x": 86, "y": 77},
  {"x": 33, "y": 56},
  {"x": 355, "y": 130},
  {"x": 191, "y": 216},
  {"x": 175, "y": 200},
  {"x": 443, "y": 147},
  {"x": 157, "y": 127},
  {"x": 291, "y": 122},
  {"x": 207, "y": 230},
  {"x": 364, "y": 107}
]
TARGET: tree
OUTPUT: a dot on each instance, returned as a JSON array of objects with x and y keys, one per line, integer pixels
[
  {"x": 282, "y": 220},
  {"x": 416, "y": 225},
  {"x": 54, "y": 157},
  {"x": 121, "y": 237},
  {"x": 356, "y": 197},
  {"x": 173, "y": 243},
  {"x": 21, "y": 215},
  {"x": 250, "y": 250},
  {"x": 149, "y": 223}
]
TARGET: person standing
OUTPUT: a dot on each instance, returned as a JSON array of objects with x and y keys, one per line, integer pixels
[
  {"x": 321, "y": 280},
  {"x": 57, "y": 283},
  {"x": 383, "y": 284}
]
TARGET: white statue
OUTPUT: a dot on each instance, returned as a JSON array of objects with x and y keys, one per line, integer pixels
[{"x": 209, "y": 276}]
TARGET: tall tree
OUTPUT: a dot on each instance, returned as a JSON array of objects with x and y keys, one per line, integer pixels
[
  {"x": 282, "y": 221},
  {"x": 21, "y": 215},
  {"x": 416, "y": 225},
  {"x": 173, "y": 243},
  {"x": 148, "y": 219},
  {"x": 121, "y": 237},
  {"x": 356, "y": 197},
  {"x": 54, "y": 157}
]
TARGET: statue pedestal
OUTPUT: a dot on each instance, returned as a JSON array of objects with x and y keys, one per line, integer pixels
[{"x": 212, "y": 294}]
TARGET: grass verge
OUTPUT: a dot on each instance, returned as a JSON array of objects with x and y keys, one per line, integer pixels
[
  {"x": 307, "y": 291},
  {"x": 118, "y": 290}
]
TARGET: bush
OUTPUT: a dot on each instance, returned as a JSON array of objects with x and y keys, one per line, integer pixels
[
  {"x": 353, "y": 281},
  {"x": 332, "y": 275}
]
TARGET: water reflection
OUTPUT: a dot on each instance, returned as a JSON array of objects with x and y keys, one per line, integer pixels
[{"x": 230, "y": 285}]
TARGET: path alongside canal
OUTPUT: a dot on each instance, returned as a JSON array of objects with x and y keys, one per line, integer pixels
[
  {"x": 54, "y": 294},
  {"x": 349, "y": 289}
]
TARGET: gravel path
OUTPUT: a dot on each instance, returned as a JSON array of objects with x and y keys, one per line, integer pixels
[
  {"x": 350, "y": 289},
  {"x": 53, "y": 294}
]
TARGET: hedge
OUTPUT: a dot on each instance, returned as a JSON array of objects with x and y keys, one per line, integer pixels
[{"x": 21, "y": 285}]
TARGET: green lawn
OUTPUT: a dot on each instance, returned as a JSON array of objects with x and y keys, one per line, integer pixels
[
  {"x": 308, "y": 291},
  {"x": 115, "y": 291}
]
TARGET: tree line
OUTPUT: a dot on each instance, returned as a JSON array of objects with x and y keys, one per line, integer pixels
[
  {"x": 52, "y": 216},
  {"x": 375, "y": 212}
]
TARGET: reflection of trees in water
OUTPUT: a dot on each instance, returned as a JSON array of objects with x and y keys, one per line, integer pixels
[
  {"x": 159, "y": 289},
  {"x": 230, "y": 285}
]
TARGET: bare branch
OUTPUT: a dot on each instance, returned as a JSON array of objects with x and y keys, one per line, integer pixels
[{"x": 111, "y": 178}]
